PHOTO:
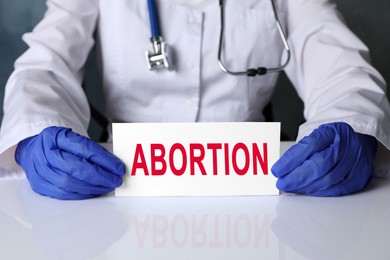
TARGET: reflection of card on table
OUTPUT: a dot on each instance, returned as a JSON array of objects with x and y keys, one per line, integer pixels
[
  {"x": 10, "y": 203},
  {"x": 197, "y": 159}
]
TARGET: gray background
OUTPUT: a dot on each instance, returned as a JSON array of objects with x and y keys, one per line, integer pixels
[{"x": 368, "y": 19}]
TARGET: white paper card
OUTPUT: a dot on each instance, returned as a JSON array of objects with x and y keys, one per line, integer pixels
[{"x": 197, "y": 159}]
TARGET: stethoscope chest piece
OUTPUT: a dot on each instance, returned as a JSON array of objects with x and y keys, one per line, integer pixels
[{"x": 161, "y": 58}]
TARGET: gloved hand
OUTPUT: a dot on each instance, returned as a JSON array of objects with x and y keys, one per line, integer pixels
[
  {"x": 60, "y": 163},
  {"x": 333, "y": 160}
]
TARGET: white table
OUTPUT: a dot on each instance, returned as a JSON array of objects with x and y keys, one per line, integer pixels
[{"x": 270, "y": 227}]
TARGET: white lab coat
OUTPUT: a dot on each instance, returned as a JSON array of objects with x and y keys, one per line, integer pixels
[{"x": 329, "y": 66}]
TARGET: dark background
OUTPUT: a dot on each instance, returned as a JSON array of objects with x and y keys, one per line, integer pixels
[{"x": 368, "y": 19}]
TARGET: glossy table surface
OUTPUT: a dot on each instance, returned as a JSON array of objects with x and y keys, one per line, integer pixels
[{"x": 264, "y": 227}]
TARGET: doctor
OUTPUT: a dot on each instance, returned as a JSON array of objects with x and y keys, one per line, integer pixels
[{"x": 46, "y": 112}]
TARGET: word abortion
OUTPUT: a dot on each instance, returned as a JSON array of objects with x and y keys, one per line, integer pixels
[{"x": 195, "y": 157}]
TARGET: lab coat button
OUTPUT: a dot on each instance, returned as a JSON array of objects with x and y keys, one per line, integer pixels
[
  {"x": 270, "y": 25},
  {"x": 190, "y": 65},
  {"x": 189, "y": 103},
  {"x": 191, "y": 18}
]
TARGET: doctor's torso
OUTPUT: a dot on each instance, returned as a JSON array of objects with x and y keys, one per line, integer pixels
[
  {"x": 329, "y": 66},
  {"x": 197, "y": 90}
]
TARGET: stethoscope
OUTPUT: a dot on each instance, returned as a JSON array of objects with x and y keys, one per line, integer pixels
[{"x": 161, "y": 58}]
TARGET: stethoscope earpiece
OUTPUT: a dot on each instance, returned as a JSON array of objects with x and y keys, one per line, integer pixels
[{"x": 254, "y": 72}]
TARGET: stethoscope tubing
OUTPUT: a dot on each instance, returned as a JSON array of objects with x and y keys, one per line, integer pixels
[
  {"x": 253, "y": 71},
  {"x": 157, "y": 40},
  {"x": 153, "y": 17}
]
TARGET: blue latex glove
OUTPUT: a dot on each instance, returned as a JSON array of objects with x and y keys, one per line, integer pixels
[
  {"x": 333, "y": 160},
  {"x": 60, "y": 163}
]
